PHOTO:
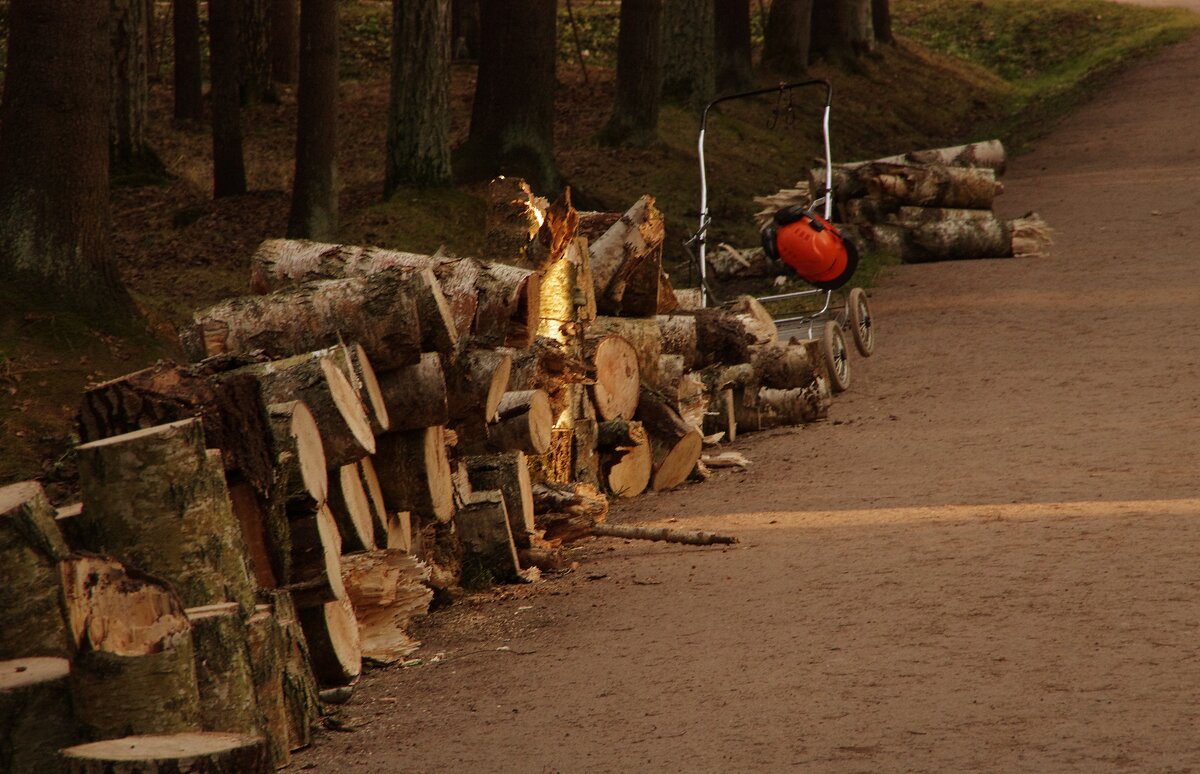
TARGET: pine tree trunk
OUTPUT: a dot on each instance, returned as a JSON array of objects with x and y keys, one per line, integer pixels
[
  {"x": 283, "y": 43},
  {"x": 229, "y": 166},
  {"x": 512, "y": 118},
  {"x": 130, "y": 86},
  {"x": 314, "y": 213},
  {"x": 418, "y": 134},
  {"x": 688, "y": 52},
  {"x": 881, "y": 20},
  {"x": 634, "y": 119},
  {"x": 732, "y": 45},
  {"x": 54, "y": 204},
  {"x": 842, "y": 29},
  {"x": 185, "y": 32},
  {"x": 788, "y": 37},
  {"x": 416, "y": 395},
  {"x": 254, "y": 60}
]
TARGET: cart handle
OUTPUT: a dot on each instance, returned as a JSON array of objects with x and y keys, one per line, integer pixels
[{"x": 701, "y": 236}]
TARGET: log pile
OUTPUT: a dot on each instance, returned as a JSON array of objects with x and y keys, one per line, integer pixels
[
  {"x": 921, "y": 206},
  {"x": 365, "y": 428}
]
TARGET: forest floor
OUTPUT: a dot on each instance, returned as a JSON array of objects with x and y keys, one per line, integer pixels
[{"x": 984, "y": 561}]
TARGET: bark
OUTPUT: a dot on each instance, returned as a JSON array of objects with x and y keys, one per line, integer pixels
[
  {"x": 351, "y": 508},
  {"x": 687, "y": 537},
  {"x": 314, "y": 213},
  {"x": 550, "y": 367},
  {"x": 414, "y": 472},
  {"x": 788, "y": 366},
  {"x": 416, "y": 395},
  {"x": 362, "y": 375},
  {"x": 958, "y": 240},
  {"x": 223, "y": 670},
  {"x": 208, "y": 752},
  {"x": 231, "y": 410},
  {"x": 55, "y": 219},
  {"x": 156, "y": 499},
  {"x": 512, "y": 117},
  {"x": 634, "y": 118},
  {"x": 418, "y": 131},
  {"x": 301, "y": 479},
  {"x": 688, "y": 52},
  {"x": 881, "y": 20},
  {"x": 387, "y": 590},
  {"x": 514, "y": 217},
  {"x": 333, "y": 402},
  {"x": 675, "y": 446},
  {"x": 185, "y": 34},
  {"x": 229, "y": 166},
  {"x": 678, "y": 336},
  {"x": 266, "y": 643},
  {"x": 732, "y": 45},
  {"x": 489, "y": 553},
  {"x": 721, "y": 338},
  {"x": 754, "y": 319},
  {"x": 333, "y": 642},
  {"x": 299, "y": 684},
  {"x": 476, "y": 383},
  {"x": 508, "y": 473},
  {"x": 379, "y": 311},
  {"x": 283, "y": 43},
  {"x": 787, "y": 37},
  {"x": 316, "y": 549},
  {"x": 682, "y": 390},
  {"x": 568, "y": 294},
  {"x": 627, "y": 260},
  {"x": 615, "y": 389},
  {"x": 31, "y": 548},
  {"x": 842, "y": 29},
  {"x": 36, "y": 719},
  {"x": 798, "y": 406},
  {"x": 523, "y": 423},
  {"x": 919, "y": 184},
  {"x": 253, "y": 57},
  {"x": 129, "y": 150}
]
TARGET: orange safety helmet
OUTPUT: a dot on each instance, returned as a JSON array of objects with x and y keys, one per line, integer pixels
[{"x": 811, "y": 246}]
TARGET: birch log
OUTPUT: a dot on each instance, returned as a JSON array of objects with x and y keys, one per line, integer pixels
[
  {"x": 416, "y": 395},
  {"x": 414, "y": 472},
  {"x": 31, "y": 548},
  {"x": 674, "y": 445},
  {"x": 627, "y": 261},
  {"x": 228, "y": 701},
  {"x": 617, "y": 378},
  {"x": 36, "y": 718}
]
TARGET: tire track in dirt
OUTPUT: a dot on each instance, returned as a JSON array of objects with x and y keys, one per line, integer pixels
[{"x": 985, "y": 561}]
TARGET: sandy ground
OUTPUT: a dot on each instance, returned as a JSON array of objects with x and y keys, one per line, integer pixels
[{"x": 986, "y": 561}]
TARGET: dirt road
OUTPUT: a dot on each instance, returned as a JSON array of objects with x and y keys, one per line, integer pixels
[{"x": 989, "y": 560}]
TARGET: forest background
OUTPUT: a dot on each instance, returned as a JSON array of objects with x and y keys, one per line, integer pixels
[{"x": 948, "y": 72}]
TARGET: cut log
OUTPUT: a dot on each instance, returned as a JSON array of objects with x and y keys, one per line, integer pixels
[
  {"x": 682, "y": 390},
  {"x": 626, "y": 460},
  {"x": 783, "y": 408},
  {"x": 675, "y": 446},
  {"x": 476, "y": 381},
  {"x": 585, "y": 457},
  {"x": 958, "y": 240},
  {"x": 514, "y": 218},
  {"x": 523, "y": 423},
  {"x": 400, "y": 531},
  {"x": 677, "y": 333},
  {"x": 351, "y": 508},
  {"x": 299, "y": 684},
  {"x": 867, "y": 210},
  {"x": 210, "y": 753},
  {"x": 36, "y": 719},
  {"x": 374, "y": 491},
  {"x": 567, "y": 512},
  {"x": 507, "y": 472},
  {"x": 1031, "y": 235},
  {"x": 416, "y": 395},
  {"x": 379, "y": 311},
  {"x": 334, "y": 403},
  {"x": 265, "y": 640},
  {"x": 688, "y": 299},
  {"x": 487, "y": 541},
  {"x": 31, "y": 548},
  {"x": 157, "y": 500},
  {"x": 617, "y": 379},
  {"x": 687, "y": 537},
  {"x": 642, "y": 334},
  {"x": 316, "y": 559},
  {"x": 414, "y": 473},
  {"x": 265, "y": 542},
  {"x": 728, "y": 262},
  {"x": 333, "y": 644},
  {"x": 592, "y": 225},
  {"x": 627, "y": 260},
  {"x": 362, "y": 376},
  {"x": 552, "y": 367},
  {"x": 788, "y": 366},
  {"x": 721, "y": 338},
  {"x": 301, "y": 479},
  {"x": 387, "y": 590},
  {"x": 231, "y": 410},
  {"x": 134, "y": 672},
  {"x": 755, "y": 319},
  {"x": 989, "y": 153},
  {"x": 228, "y": 701},
  {"x": 931, "y": 185},
  {"x": 721, "y": 417}
]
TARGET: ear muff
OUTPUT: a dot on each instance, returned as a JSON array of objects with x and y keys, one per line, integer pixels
[
  {"x": 768, "y": 242},
  {"x": 793, "y": 213}
]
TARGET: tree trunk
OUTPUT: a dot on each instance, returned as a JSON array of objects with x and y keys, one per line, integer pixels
[
  {"x": 415, "y": 473},
  {"x": 732, "y": 25},
  {"x": 881, "y": 20},
  {"x": 155, "y": 498},
  {"x": 787, "y": 37},
  {"x": 254, "y": 59},
  {"x": 688, "y": 52},
  {"x": 512, "y": 117},
  {"x": 223, "y": 670},
  {"x": 130, "y": 153},
  {"x": 627, "y": 262},
  {"x": 314, "y": 213},
  {"x": 185, "y": 29},
  {"x": 675, "y": 446},
  {"x": 36, "y": 719},
  {"x": 634, "y": 118},
  {"x": 387, "y": 590},
  {"x": 418, "y": 133},
  {"x": 617, "y": 380},
  {"x": 284, "y": 41},
  {"x": 507, "y": 472},
  {"x": 489, "y": 553},
  {"x": 416, "y": 395},
  {"x": 229, "y": 166},
  {"x": 208, "y": 752},
  {"x": 333, "y": 643},
  {"x": 842, "y": 29},
  {"x": 31, "y": 596},
  {"x": 54, "y": 205}
]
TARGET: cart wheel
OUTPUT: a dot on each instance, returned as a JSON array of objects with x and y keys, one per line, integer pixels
[
  {"x": 837, "y": 361},
  {"x": 862, "y": 327}
]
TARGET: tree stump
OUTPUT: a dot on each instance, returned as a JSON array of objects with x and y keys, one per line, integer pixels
[
  {"x": 489, "y": 552},
  {"x": 507, "y": 472},
  {"x": 157, "y": 500},
  {"x": 31, "y": 548},
  {"x": 36, "y": 718},
  {"x": 228, "y": 701},
  {"x": 210, "y": 753},
  {"x": 414, "y": 472}
]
